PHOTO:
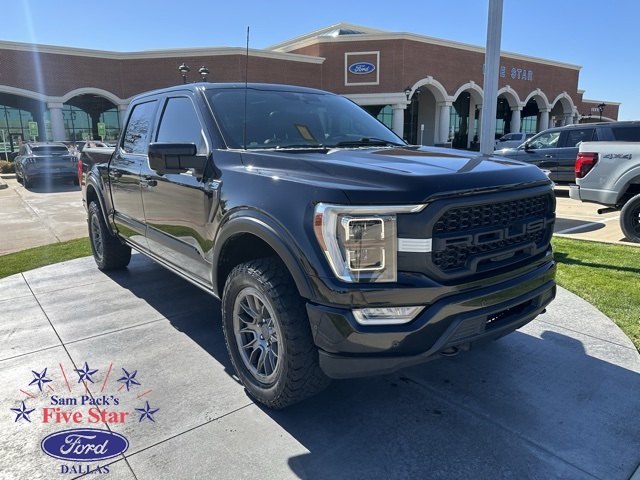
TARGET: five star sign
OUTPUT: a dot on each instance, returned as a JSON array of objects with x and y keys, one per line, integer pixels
[
  {"x": 146, "y": 412},
  {"x": 86, "y": 373},
  {"x": 24, "y": 413},
  {"x": 40, "y": 378}
]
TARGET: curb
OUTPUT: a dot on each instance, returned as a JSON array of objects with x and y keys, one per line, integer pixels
[{"x": 3, "y": 184}]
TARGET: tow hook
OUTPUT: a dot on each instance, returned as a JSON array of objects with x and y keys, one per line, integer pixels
[{"x": 450, "y": 352}]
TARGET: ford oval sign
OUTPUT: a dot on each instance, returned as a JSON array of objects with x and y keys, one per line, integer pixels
[
  {"x": 84, "y": 444},
  {"x": 362, "y": 68}
]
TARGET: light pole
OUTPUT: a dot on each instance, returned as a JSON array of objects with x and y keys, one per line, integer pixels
[
  {"x": 184, "y": 71},
  {"x": 601, "y": 109},
  {"x": 204, "y": 71}
]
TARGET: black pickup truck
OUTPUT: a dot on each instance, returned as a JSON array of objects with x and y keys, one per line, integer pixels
[{"x": 337, "y": 250}]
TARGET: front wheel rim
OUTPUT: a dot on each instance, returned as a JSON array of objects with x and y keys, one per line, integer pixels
[
  {"x": 96, "y": 236},
  {"x": 257, "y": 335}
]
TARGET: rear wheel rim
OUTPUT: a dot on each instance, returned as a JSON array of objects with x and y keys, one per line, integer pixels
[
  {"x": 96, "y": 236},
  {"x": 257, "y": 334}
]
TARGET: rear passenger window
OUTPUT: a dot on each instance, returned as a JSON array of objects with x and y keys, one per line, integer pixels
[
  {"x": 574, "y": 137},
  {"x": 626, "y": 134},
  {"x": 135, "y": 139}
]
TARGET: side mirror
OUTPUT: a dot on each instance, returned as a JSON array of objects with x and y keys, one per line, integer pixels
[
  {"x": 174, "y": 157},
  {"x": 525, "y": 146}
]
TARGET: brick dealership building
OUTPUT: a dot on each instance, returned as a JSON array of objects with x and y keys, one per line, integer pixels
[{"x": 428, "y": 90}]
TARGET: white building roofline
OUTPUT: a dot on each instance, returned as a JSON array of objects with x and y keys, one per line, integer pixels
[
  {"x": 164, "y": 53},
  {"x": 372, "y": 35}
]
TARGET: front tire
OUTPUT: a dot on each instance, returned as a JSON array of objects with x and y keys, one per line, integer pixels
[
  {"x": 108, "y": 252},
  {"x": 630, "y": 219},
  {"x": 268, "y": 336}
]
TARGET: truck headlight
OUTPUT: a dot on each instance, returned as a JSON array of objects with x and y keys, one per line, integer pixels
[{"x": 360, "y": 243}]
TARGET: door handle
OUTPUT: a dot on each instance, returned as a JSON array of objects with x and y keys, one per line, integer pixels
[
  {"x": 549, "y": 156},
  {"x": 148, "y": 182}
]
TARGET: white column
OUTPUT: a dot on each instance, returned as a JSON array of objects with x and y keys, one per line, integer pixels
[
  {"x": 398, "y": 118},
  {"x": 568, "y": 119},
  {"x": 122, "y": 110},
  {"x": 472, "y": 121},
  {"x": 515, "y": 119},
  {"x": 445, "y": 119},
  {"x": 544, "y": 119},
  {"x": 57, "y": 122}
]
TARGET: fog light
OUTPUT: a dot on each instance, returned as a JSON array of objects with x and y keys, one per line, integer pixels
[{"x": 386, "y": 315}]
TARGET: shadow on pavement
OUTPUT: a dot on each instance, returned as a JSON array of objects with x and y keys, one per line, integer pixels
[
  {"x": 51, "y": 186},
  {"x": 532, "y": 405}
]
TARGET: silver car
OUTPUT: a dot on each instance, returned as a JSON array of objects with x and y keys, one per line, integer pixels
[{"x": 45, "y": 161}]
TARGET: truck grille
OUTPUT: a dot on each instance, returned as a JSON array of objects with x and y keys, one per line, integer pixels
[{"x": 481, "y": 236}]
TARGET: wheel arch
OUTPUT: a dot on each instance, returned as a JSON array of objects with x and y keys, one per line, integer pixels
[
  {"x": 248, "y": 237},
  {"x": 94, "y": 192}
]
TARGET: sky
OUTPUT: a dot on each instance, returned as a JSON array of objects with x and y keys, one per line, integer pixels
[{"x": 602, "y": 37}]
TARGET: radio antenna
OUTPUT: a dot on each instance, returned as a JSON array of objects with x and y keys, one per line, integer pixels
[{"x": 246, "y": 88}]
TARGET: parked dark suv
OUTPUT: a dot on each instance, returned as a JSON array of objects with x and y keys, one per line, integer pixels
[
  {"x": 41, "y": 161},
  {"x": 556, "y": 149}
]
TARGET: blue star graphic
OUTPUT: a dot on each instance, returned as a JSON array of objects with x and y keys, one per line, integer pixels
[
  {"x": 147, "y": 413},
  {"x": 86, "y": 373},
  {"x": 129, "y": 379},
  {"x": 23, "y": 412},
  {"x": 39, "y": 378}
]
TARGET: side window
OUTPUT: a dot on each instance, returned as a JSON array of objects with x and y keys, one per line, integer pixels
[
  {"x": 135, "y": 137},
  {"x": 578, "y": 135},
  {"x": 180, "y": 124},
  {"x": 546, "y": 140},
  {"x": 626, "y": 134}
]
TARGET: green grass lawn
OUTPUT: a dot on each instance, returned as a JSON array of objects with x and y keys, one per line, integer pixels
[
  {"x": 607, "y": 276},
  {"x": 40, "y": 256}
]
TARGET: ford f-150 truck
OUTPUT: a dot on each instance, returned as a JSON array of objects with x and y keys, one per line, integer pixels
[
  {"x": 608, "y": 173},
  {"x": 337, "y": 250}
]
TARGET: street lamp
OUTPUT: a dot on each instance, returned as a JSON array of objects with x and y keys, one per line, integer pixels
[
  {"x": 407, "y": 92},
  {"x": 204, "y": 71},
  {"x": 184, "y": 70},
  {"x": 601, "y": 109}
]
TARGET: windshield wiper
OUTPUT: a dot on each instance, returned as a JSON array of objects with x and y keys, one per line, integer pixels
[{"x": 368, "y": 141}]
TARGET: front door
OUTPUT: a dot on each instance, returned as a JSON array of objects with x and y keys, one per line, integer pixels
[{"x": 178, "y": 205}]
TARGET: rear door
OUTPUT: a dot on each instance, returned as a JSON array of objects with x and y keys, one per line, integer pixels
[
  {"x": 566, "y": 157},
  {"x": 124, "y": 173},
  {"x": 178, "y": 205}
]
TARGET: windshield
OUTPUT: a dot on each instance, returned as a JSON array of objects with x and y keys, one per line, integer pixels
[{"x": 286, "y": 119}]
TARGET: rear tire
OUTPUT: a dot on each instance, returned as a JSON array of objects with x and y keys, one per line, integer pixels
[
  {"x": 27, "y": 182},
  {"x": 630, "y": 219},
  {"x": 268, "y": 336},
  {"x": 108, "y": 252}
]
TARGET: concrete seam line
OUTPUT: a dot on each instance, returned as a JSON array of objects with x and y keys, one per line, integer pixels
[{"x": 42, "y": 220}]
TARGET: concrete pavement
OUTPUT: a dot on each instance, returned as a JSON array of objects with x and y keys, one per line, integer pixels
[
  {"x": 556, "y": 399},
  {"x": 40, "y": 215}
]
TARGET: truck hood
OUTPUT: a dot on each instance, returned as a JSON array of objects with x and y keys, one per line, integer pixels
[{"x": 394, "y": 175}]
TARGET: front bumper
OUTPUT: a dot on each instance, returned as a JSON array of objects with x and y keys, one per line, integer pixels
[{"x": 348, "y": 349}]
